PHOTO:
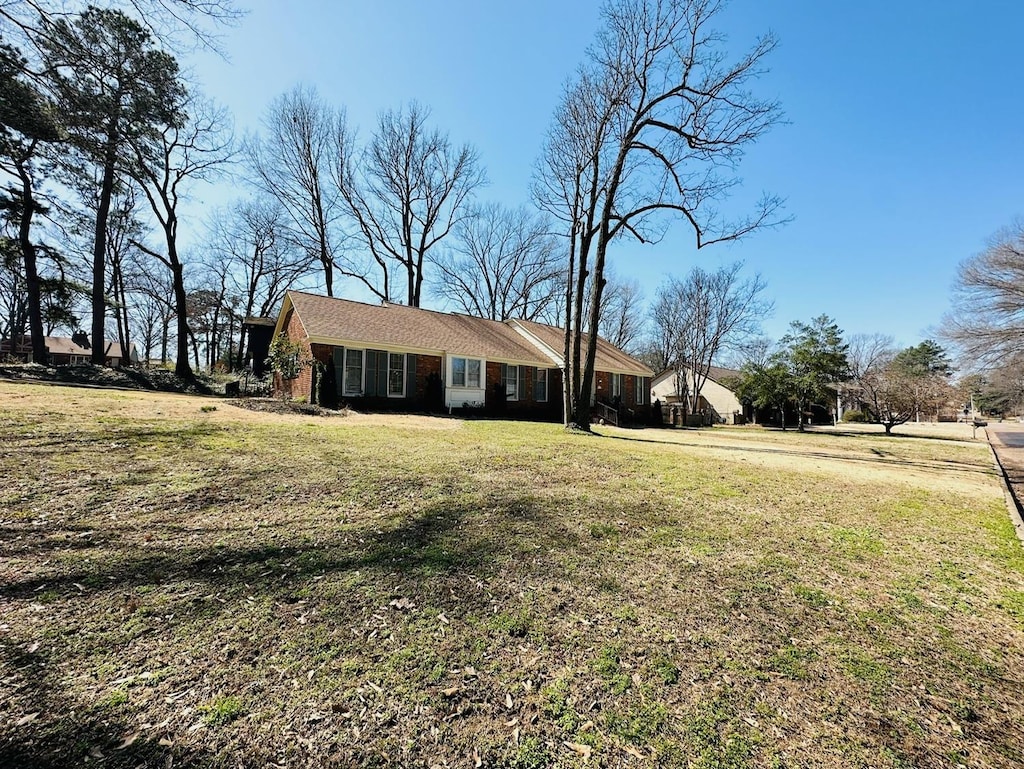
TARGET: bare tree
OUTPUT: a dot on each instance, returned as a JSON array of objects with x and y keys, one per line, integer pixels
[
  {"x": 123, "y": 227},
  {"x": 651, "y": 130},
  {"x": 152, "y": 312},
  {"x": 178, "y": 24},
  {"x": 892, "y": 386},
  {"x": 986, "y": 321},
  {"x": 405, "y": 193},
  {"x": 504, "y": 265},
  {"x": 871, "y": 386},
  {"x": 887, "y": 393},
  {"x": 702, "y": 316},
  {"x": 292, "y": 162},
  {"x": 249, "y": 241},
  {"x": 164, "y": 166},
  {"x": 999, "y": 390},
  {"x": 622, "y": 316}
]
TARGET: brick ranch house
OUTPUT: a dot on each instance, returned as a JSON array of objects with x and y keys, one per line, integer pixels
[{"x": 394, "y": 357}]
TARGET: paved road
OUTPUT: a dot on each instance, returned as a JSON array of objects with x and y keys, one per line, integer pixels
[
  {"x": 1007, "y": 440},
  {"x": 1006, "y": 435}
]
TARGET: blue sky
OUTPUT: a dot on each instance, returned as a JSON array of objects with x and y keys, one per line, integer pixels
[{"x": 902, "y": 152}]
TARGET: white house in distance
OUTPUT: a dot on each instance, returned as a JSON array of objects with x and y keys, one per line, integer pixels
[{"x": 714, "y": 395}]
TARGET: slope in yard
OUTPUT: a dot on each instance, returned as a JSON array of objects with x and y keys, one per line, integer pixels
[{"x": 220, "y": 587}]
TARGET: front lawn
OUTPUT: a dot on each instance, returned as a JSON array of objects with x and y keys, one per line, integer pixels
[{"x": 195, "y": 586}]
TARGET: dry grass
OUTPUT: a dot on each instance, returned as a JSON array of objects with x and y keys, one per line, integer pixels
[{"x": 226, "y": 588}]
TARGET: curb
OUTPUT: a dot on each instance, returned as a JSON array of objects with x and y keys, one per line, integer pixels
[{"x": 1011, "y": 501}]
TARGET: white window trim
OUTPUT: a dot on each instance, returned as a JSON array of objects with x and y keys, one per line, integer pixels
[
  {"x": 515, "y": 382},
  {"x": 615, "y": 386},
  {"x": 362, "y": 374},
  {"x": 451, "y": 371},
  {"x": 538, "y": 371},
  {"x": 465, "y": 382},
  {"x": 405, "y": 373}
]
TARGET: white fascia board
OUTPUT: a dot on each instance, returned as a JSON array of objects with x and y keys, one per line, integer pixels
[
  {"x": 532, "y": 339},
  {"x": 285, "y": 306}
]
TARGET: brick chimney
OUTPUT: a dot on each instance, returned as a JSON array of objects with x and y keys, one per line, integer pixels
[{"x": 81, "y": 339}]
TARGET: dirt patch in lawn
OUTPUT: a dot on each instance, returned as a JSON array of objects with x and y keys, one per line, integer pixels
[{"x": 279, "y": 406}]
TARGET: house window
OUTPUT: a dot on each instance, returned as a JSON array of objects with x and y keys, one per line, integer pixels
[
  {"x": 540, "y": 385},
  {"x": 396, "y": 375},
  {"x": 511, "y": 382},
  {"x": 616, "y": 386},
  {"x": 465, "y": 372},
  {"x": 353, "y": 372}
]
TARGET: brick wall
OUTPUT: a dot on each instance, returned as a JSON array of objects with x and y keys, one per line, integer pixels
[
  {"x": 526, "y": 406},
  {"x": 425, "y": 366},
  {"x": 492, "y": 377},
  {"x": 302, "y": 386}
]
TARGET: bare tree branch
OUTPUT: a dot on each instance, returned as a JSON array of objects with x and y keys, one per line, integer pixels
[
  {"x": 407, "y": 191},
  {"x": 986, "y": 322},
  {"x": 651, "y": 131}
]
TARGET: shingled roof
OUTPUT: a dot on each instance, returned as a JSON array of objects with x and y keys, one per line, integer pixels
[
  {"x": 609, "y": 357},
  {"x": 341, "y": 321},
  {"x": 329, "y": 320},
  {"x": 62, "y": 345}
]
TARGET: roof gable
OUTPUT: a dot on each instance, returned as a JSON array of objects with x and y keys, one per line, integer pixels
[{"x": 716, "y": 374}]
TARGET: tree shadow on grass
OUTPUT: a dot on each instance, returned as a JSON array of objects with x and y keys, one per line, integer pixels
[
  {"x": 440, "y": 539},
  {"x": 436, "y": 548},
  {"x": 151, "y": 437},
  {"x": 43, "y": 728}
]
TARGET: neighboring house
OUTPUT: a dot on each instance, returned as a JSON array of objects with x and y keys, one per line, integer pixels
[
  {"x": 393, "y": 356},
  {"x": 716, "y": 399},
  {"x": 65, "y": 351}
]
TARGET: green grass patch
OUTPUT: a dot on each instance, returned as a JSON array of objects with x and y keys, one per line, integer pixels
[{"x": 221, "y": 711}]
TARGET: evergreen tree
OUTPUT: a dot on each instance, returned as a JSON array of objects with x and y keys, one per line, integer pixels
[{"x": 113, "y": 86}]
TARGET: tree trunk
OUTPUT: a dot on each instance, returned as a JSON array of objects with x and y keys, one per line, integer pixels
[
  {"x": 325, "y": 258},
  {"x": 165, "y": 337},
  {"x": 195, "y": 349},
  {"x": 28, "y": 253},
  {"x": 577, "y": 394},
  {"x": 121, "y": 297},
  {"x": 567, "y": 347},
  {"x": 181, "y": 367},
  {"x": 99, "y": 253}
]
